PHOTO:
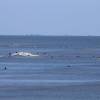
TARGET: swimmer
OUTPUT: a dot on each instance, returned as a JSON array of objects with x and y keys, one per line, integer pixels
[{"x": 5, "y": 68}]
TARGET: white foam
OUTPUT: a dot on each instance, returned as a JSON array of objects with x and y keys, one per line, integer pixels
[{"x": 25, "y": 54}]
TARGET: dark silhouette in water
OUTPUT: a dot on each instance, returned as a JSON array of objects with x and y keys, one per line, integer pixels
[
  {"x": 9, "y": 54},
  {"x": 77, "y": 56},
  {"x": 5, "y": 68},
  {"x": 52, "y": 57},
  {"x": 44, "y": 53},
  {"x": 68, "y": 65},
  {"x": 93, "y": 56}
]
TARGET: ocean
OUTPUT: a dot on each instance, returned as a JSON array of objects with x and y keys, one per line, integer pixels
[{"x": 67, "y": 68}]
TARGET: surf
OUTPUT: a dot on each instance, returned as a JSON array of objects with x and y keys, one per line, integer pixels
[{"x": 23, "y": 54}]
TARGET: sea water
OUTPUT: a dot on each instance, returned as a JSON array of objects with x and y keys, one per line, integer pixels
[{"x": 67, "y": 68}]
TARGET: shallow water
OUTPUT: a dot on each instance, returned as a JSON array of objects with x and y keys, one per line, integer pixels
[{"x": 68, "y": 68}]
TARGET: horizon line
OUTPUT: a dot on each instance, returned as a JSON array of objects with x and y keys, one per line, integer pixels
[{"x": 42, "y": 35}]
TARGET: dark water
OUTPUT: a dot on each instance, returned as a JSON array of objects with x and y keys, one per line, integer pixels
[{"x": 68, "y": 68}]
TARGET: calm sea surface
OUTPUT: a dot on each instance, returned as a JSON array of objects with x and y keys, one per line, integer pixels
[{"x": 68, "y": 68}]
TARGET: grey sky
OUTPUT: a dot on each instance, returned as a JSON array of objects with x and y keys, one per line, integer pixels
[{"x": 50, "y": 17}]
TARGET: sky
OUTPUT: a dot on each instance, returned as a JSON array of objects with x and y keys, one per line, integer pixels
[{"x": 50, "y": 17}]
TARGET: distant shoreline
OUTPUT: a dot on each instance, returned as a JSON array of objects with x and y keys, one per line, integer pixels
[{"x": 51, "y": 35}]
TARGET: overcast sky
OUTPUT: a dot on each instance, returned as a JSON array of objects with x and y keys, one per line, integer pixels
[{"x": 50, "y": 17}]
